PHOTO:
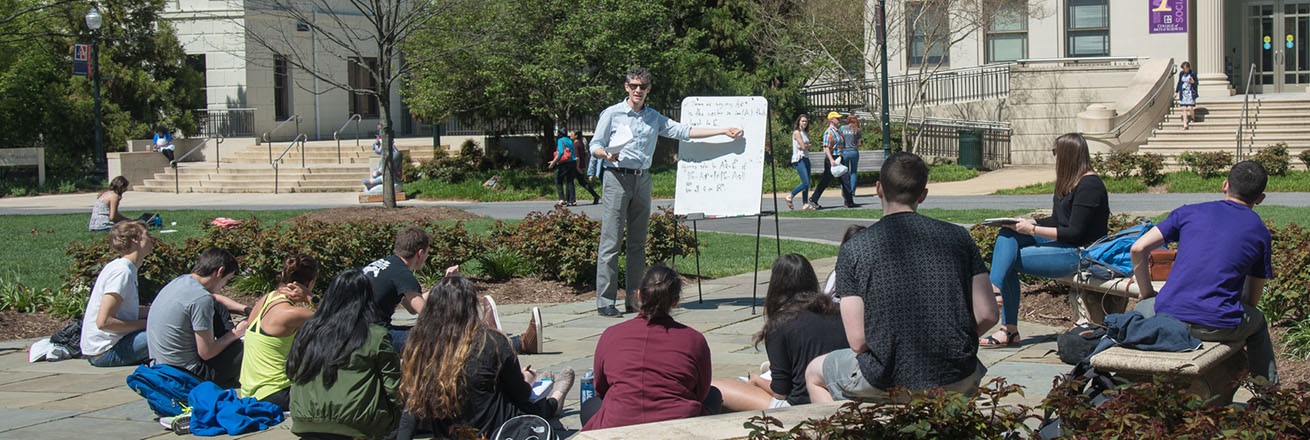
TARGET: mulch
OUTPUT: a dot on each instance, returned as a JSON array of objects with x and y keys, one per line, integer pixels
[
  {"x": 1046, "y": 303},
  {"x": 400, "y": 214},
  {"x": 17, "y": 325}
]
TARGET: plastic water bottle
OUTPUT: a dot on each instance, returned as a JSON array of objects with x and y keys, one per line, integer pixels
[{"x": 588, "y": 389}]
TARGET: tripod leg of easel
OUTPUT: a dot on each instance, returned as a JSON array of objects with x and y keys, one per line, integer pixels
[
  {"x": 755, "y": 286},
  {"x": 700, "y": 294}
]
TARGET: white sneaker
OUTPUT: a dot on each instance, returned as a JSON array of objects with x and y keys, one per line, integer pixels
[{"x": 490, "y": 316}]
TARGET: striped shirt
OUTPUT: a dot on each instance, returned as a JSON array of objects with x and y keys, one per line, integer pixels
[{"x": 833, "y": 139}]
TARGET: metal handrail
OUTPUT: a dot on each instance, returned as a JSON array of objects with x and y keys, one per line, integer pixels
[
  {"x": 1132, "y": 115},
  {"x": 1246, "y": 99},
  {"x": 177, "y": 185},
  {"x": 301, "y": 138},
  {"x": 954, "y": 71},
  {"x": 295, "y": 118},
  {"x": 1079, "y": 59},
  {"x": 355, "y": 117}
]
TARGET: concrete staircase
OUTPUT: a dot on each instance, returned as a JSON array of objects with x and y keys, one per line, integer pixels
[
  {"x": 1270, "y": 120},
  {"x": 248, "y": 170}
]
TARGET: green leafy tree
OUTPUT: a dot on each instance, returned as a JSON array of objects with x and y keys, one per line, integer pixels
[{"x": 145, "y": 79}]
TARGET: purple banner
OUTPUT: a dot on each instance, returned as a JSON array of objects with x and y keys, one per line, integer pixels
[{"x": 1167, "y": 16}]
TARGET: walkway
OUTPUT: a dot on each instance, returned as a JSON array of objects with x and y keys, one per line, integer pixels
[{"x": 53, "y": 400}]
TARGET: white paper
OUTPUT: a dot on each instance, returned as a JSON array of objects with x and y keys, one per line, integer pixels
[{"x": 620, "y": 136}]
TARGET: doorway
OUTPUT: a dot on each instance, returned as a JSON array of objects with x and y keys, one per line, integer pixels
[{"x": 1278, "y": 32}]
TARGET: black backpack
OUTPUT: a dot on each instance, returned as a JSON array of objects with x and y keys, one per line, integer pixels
[
  {"x": 525, "y": 427},
  {"x": 1074, "y": 345}
]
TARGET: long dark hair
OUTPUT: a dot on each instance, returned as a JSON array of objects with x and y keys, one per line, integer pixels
[
  {"x": 325, "y": 342},
  {"x": 661, "y": 289},
  {"x": 793, "y": 287},
  {"x": 447, "y": 333},
  {"x": 1072, "y": 161}
]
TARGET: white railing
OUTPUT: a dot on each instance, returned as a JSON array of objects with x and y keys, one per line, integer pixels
[
  {"x": 355, "y": 117},
  {"x": 301, "y": 138},
  {"x": 1242, "y": 121}
]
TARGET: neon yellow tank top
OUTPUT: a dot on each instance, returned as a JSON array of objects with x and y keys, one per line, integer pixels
[{"x": 264, "y": 365}]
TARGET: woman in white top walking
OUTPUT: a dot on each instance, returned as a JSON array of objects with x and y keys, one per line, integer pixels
[{"x": 800, "y": 146}]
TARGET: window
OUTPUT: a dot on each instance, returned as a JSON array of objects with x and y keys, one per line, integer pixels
[
  {"x": 281, "y": 88},
  {"x": 1007, "y": 35},
  {"x": 929, "y": 35},
  {"x": 199, "y": 96},
  {"x": 1088, "y": 28},
  {"x": 361, "y": 78}
]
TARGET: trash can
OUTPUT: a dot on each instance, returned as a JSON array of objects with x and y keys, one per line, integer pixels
[{"x": 971, "y": 149}]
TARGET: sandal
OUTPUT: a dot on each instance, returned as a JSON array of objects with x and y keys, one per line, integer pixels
[
  {"x": 788, "y": 200},
  {"x": 1011, "y": 339}
]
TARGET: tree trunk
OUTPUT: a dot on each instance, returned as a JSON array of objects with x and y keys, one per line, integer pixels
[{"x": 388, "y": 133}]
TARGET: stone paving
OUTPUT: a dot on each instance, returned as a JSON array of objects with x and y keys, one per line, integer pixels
[{"x": 56, "y": 400}]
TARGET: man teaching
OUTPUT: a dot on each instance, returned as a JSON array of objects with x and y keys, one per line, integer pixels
[{"x": 625, "y": 138}]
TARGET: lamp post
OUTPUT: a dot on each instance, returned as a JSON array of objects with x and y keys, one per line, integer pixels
[
  {"x": 93, "y": 22},
  {"x": 882, "y": 50}
]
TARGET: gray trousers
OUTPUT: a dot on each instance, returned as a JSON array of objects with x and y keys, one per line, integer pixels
[
  {"x": 626, "y": 198},
  {"x": 1252, "y": 329}
]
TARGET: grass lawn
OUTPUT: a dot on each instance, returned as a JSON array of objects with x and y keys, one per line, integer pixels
[
  {"x": 731, "y": 254},
  {"x": 524, "y": 184},
  {"x": 1178, "y": 182},
  {"x": 968, "y": 216}
]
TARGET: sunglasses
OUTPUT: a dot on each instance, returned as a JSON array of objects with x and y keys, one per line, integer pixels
[{"x": 639, "y": 86}]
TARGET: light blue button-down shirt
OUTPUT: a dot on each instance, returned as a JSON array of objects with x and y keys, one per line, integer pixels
[{"x": 646, "y": 127}]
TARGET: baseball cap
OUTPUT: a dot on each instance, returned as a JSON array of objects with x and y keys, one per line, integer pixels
[{"x": 833, "y": 115}]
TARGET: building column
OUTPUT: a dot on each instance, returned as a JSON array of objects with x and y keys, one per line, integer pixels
[{"x": 1210, "y": 49}]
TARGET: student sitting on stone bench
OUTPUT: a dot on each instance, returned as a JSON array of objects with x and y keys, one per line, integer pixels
[{"x": 1223, "y": 261}]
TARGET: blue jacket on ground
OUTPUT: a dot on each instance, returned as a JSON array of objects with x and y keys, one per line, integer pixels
[{"x": 216, "y": 411}]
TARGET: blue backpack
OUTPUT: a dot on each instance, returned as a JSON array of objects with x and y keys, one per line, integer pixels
[
  {"x": 1110, "y": 257},
  {"x": 165, "y": 388}
]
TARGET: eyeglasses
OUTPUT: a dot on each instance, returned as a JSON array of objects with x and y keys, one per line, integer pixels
[{"x": 639, "y": 86}]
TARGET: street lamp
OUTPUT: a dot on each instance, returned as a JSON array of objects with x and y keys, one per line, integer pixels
[{"x": 93, "y": 22}]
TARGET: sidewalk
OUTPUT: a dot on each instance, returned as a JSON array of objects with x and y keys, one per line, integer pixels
[{"x": 54, "y": 400}]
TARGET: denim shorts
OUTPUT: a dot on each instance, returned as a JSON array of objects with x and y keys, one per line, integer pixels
[{"x": 846, "y": 382}]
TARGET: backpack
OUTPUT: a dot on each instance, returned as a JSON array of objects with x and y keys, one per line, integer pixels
[
  {"x": 525, "y": 427},
  {"x": 1110, "y": 256},
  {"x": 165, "y": 388},
  {"x": 566, "y": 153},
  {"x": 70, "y": 338},
  {"x": 1074, "y": 345},
  {"x": 1098, "y": 382}
]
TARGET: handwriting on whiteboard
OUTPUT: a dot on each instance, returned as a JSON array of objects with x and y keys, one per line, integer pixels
[{"x": 722, "y": 176}]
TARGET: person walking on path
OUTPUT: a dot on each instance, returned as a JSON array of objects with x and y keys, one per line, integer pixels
[
  {"x": 832, "y": 148},
  {"x": 800, "y": 160},
  {"x": 625, "y": 137},
  {"x": 850, "y": 154},
  {"x": 566, "y": 162},
  {"x": 1186, "y": 93},
  {"x": 580, "y": 144}
]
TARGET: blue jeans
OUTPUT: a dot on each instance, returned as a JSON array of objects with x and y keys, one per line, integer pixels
[
  {"x": 131, "y": 349},
  {"x": 851, "y": 158},
  {"x": 1017, "y": 253},
  {"x": 803, "y": 168},
  {"x": 399, "y": 334}
]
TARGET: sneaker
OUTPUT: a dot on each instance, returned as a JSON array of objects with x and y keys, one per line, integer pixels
[
  {"x": 563, "y": 383},
  {"x": 367, "y": 184},
  {"x": 530, "y": 341},
  {"x": 181, "y": 425},
  {"x": 490, "y": 316},
  {"x": 609, "y": 312}
]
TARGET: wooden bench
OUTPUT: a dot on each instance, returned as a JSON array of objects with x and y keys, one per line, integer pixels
[
  {"x": 1092, "y": 298},
  {"x": 20, "y": 157},
  {"x": 870, "y": 160},
  {"x": 1213, "y": 369}
]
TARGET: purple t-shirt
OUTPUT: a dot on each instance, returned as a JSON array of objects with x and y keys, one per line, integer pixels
[{"x": 1220, "y": 243}]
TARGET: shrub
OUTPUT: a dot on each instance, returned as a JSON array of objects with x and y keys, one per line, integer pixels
[
  {"x": 950, "y": 172},
  {"x": 451, "y": 245},
  {"x": 1119, "y": 164},
  {"x": 1275, "y": 159},
  {"x": 1149, "y": 168},
  {"x": 1287, "y": 295},
  {"x": 1297, "y": 341},
  {"x": 933, "y": 413},
  {"x": 559, "y": 243},
  {"x": 1207, "y": 164},
  {"x": 500, "y": 263},
  {"x": 1305, "y": 158},
  {"x": 661, "y": 245}
]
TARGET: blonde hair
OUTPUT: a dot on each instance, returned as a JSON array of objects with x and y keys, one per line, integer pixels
[
  {"x": 123, "y": 233},
  {"x": 447, "y": 333}
]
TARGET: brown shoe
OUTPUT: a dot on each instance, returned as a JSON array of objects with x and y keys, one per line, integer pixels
[
  {"x": 488, "y": 315},
  {"x": 530, "y": 341},
  {"x": 563, "y": 383}
]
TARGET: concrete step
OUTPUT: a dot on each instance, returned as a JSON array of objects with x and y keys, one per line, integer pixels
[
  {"x": 1252, "y": 113},
  {"x": 1232, "y": 122},
  {"x": 262, "y": 189}
]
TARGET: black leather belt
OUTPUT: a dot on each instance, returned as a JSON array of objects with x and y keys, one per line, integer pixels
[{"x": 631, "y": 171}]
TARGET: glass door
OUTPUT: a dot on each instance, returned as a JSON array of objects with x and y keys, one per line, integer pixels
[{"x": 1279, "y": 30}]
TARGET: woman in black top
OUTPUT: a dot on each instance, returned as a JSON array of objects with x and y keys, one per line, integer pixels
[
  {"x": 1049, "y": 247},
  {"x": 457, "y": 371},
  {"x": 801, "y": 324}
]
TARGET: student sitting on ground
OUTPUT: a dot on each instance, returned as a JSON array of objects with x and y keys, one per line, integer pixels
[
  {"x": 187, "y": 326},
  {"x": 800, "y": 325},
  {"x": 457, "y": 371},
  {"x": 105, "y": 213},
  {"x": 113, "y": 328},
  {"x": 273, "y": 328},
  {"x": 1223, "y": 262},
  {"x": 651, "y": 368},
  {"x": 342, "y": 368},
  {"x": 914, "y": 297},
  {"x": 830, "y": 287}
]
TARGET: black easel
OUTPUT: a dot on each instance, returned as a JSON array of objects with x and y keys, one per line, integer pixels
[{"x": 759, "y": 219}]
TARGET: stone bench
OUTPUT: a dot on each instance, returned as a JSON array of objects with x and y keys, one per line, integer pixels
[
  {"x": 1213, "y": 369},
  {"x": 870, "y": 160},
  {"x": 1092, "y": 298},
  {"x": 20, "y": 157},
  {"x": 721, "y": 426}
]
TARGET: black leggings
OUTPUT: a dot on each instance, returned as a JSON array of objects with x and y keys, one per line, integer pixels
[
  {"x": 713, "y": 404},
  {"x": 564, "y": 178},
  {"x": 281, "y": 398}
]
